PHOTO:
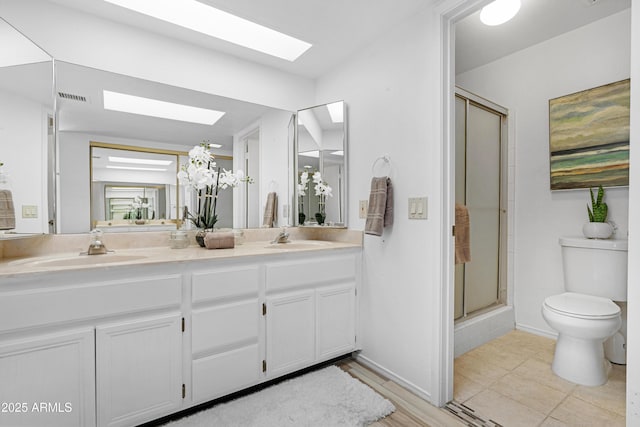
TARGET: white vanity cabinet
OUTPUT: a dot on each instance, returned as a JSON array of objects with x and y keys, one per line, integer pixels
[
  {"x": 124, "y": 345},
  {"x": 48, "y": 379},
  {"x": 310, "y": 311},
  {"x": 72, "y": 347},
  {"x": 138, "y": 369},
  {"x": 226, "y": 330}
]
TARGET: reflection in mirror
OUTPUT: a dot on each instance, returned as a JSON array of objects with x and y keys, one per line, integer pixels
[
  {"x": 130, "y": 188},
  {"x": 321, "y": 165},
  {"x": 26, "y": 131},
  {"x": 83, "y": 117}
]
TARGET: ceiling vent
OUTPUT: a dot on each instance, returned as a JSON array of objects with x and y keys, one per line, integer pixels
[{"x": 72, "y": 97}]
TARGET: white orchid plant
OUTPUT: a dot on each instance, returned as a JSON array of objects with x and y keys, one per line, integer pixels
[
  {"x": 322, "y": 190},
  {"x": 137, "y": 207},
  {"x": 202, "y": 175}
]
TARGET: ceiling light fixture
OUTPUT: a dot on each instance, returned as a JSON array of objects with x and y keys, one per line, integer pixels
[
  {"x": 140, "y": 161},
  {"x": 336, "y": 111},
  {"x": 215, "y": 145},
  {"x": 216, "y": 23},
  {"x": 134, "y": 168},
  {"x": 152, "y": 107},
  {"x": 499, "y": 12}
]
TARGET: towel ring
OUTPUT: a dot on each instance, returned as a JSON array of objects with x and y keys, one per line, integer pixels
[{"x": 386, "y": 161}]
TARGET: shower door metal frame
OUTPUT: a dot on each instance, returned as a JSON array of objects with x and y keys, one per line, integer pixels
[{"x": 478, "y": 101}]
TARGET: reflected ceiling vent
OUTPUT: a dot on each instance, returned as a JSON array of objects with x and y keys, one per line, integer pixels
[{"x": 72, "y": 97}]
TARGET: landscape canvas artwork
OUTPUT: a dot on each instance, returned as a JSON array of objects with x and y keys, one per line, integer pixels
[{"x": 589, "y": 137}]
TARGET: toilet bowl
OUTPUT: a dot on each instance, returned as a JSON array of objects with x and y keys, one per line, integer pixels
[
  {"x": 585, "y": 315},
  {"x": 583, "y": 323}
]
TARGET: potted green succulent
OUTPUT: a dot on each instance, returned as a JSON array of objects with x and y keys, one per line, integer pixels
[{"x": 597, "y": 227}]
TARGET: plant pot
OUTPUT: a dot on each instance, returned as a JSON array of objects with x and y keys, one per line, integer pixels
[
  {"x": 597, "y": 230},
  {"x": 320, "y": 217},
  {"x": 301, "y": 218},
  {"x": 200, "y": 237}
]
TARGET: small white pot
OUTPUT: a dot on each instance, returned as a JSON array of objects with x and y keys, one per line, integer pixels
[{"x": 597, "y": 230}]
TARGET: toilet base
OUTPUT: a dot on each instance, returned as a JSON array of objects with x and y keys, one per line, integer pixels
[{"x": 580, "y": 361}]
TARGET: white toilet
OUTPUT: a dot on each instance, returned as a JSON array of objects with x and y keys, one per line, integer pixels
[{"x": 595, "y": 275}]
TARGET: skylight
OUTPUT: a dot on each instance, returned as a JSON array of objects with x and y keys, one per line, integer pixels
[
  {"x": 140, "y": 161},
  {"x": 314, "y": 153},
  {"x": 155, "y": 108},
  {"x": 216, "y": 23},
  {"x": 336, "y": 111},
  {"x": 136, "y": 168}
]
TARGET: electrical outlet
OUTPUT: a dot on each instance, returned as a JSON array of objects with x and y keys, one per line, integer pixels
[
  {"x": 417, "y": 208},
  {"x": 364, "y": 207}
]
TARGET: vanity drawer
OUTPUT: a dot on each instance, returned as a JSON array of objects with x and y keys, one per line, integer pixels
[
  {"x": 226, "y": 283},
  {"x": 225, "y": 326},
  {"x": 59, "y": 304},
  {"x": 296, "y": 274}
]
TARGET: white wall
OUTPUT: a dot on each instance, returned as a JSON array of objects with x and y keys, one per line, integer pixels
[
  {"x": 524, "y": 82},
  {"x": 392, "y": 89},
  {"x": 274, "y": 159},
  {"x": 23, "y": 123},
  {"x": 633, "y": 319},
  {"x": 84, "y": 39}
]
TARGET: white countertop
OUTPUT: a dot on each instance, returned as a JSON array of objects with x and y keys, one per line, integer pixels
[{"x": 70, "y": 261}]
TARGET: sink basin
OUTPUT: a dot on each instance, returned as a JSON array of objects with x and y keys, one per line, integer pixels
[
  {"x": 78, "y": 260},
  {"x": 299, "y": 244}
]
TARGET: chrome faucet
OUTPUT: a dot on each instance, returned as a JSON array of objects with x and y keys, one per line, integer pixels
[
  {"x": 96, "y": 247},
  {"x": 282, "y": 237}
]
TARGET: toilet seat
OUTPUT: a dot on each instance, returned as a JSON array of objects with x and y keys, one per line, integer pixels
[{"x": 582, "y": 306}]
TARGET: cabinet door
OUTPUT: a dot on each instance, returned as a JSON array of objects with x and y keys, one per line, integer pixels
[
  {"x": 225, "y": 343},
  {"x": 48, "y": 380},
  {"x": 138, "y": 370},
  {"x": 290, "y": 332},
  {"x": 335, "y": 321}
]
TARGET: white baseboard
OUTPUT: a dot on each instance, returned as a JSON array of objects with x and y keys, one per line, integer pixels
[
  {"x": 536, "y": 331},
  {"x": 423, "y": 394}
]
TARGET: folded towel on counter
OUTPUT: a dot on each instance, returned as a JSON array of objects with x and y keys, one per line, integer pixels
[
  {"x": 380, "y": 212},
  {"x": 219, "y": 240},
  {"x": 270, "y": 210},
  {"x": 7, "y": 212},
  {"x": 463, "y": 239}
]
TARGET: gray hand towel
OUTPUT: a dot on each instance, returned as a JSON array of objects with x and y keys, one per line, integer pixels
[
  {"x": 270, "y": 210},
  {"x": 7, "y": 212},
  {"x": 463, "y": 241},
  {"x": 380, "y": 212}
]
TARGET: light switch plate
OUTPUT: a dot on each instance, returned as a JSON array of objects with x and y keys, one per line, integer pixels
[
  {"x": 364, "y": 206},
  {"x": 417, "y": 208},
  {"x": 29, "y": 211}
]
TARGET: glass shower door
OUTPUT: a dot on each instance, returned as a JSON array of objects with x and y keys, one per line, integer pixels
[{"x": 478, "y": 177}]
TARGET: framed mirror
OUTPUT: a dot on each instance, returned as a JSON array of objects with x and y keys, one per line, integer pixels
[
  {"x": 86, "y": 123},
  {"x": 26, "y": 132},
  {"x": 320, "y": 157}
]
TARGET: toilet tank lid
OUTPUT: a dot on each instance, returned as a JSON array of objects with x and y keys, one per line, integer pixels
[{"x": 583, "y": 242}]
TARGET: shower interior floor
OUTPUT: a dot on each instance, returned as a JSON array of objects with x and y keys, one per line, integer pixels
[{"x": 508, "y": 381}]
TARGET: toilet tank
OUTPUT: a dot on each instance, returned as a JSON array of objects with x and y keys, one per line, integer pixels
[{"x": 595, "y": 267}]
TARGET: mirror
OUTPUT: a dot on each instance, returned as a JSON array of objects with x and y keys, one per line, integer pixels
[
  {"x": 251, "y": 137},
  {"x": 26, "y": 130},
  {"x": 320, "y": 165}
]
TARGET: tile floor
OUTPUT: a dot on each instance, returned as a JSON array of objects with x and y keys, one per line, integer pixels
[{"x": 509, "y": 381}]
